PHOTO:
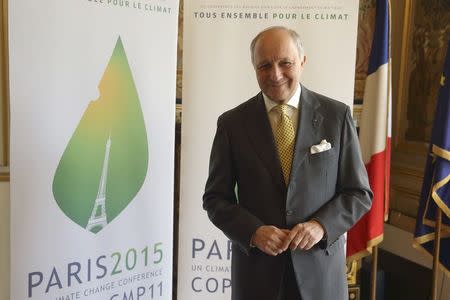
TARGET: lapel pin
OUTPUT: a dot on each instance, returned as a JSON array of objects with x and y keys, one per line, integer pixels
[{"x": 315, "y": 122}]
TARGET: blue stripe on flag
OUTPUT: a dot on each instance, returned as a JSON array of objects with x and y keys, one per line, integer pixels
[{"x": 379, "y": 55}]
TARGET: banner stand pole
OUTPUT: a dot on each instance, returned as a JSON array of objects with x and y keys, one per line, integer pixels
[
  {"x": 373, "y": 285},
  {"x": 437, "y": 246}
]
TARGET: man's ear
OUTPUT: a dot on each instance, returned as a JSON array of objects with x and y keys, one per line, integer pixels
[{"x": 303, "y": 61}]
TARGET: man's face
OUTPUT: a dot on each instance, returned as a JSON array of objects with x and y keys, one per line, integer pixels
[{"x": 278, "y": 65}]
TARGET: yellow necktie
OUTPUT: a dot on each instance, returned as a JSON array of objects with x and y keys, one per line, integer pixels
[{"x": 285, "y": 140}]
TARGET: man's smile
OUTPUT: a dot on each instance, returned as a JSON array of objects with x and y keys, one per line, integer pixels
[{"x": 279, "y": 84}]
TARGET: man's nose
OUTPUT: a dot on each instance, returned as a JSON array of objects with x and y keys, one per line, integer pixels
[{"x": 275, "y": 73}]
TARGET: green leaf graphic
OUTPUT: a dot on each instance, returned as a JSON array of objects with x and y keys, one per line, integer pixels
[{"x": 105, "y": 162}]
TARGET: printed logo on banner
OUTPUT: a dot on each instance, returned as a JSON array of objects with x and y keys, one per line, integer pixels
[{"x": 105, "y": 162}]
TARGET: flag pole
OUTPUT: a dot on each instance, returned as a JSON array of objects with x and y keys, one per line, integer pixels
[
  {"x": 437, "y": 246},
  {"x": 373, "y": 285}
]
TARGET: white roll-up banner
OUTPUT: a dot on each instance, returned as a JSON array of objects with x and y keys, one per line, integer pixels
[
  {"x": 92, "y": 148},
  {"x": 217, "y": 76}
]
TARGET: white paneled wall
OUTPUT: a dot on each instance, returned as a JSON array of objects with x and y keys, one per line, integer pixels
[
  {"x": 399, "y": 242},
  {"x": 4, "y": 240}
]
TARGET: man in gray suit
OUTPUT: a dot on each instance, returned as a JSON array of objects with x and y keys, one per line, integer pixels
[{"x": 293, "y": 157}]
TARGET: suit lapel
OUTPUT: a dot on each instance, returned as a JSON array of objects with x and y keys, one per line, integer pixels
[
  {"x": 309, "y": 122},
  {"x": 261, "y": 137}
]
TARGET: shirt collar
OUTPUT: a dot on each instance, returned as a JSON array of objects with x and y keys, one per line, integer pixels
[{"x": 294, "y": 101}]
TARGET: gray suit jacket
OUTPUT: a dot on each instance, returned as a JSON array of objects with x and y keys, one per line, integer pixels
[{"x": 331, "y": 187}]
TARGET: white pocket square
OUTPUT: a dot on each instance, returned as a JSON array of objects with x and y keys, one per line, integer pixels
[{"x": 323, "y": 146}]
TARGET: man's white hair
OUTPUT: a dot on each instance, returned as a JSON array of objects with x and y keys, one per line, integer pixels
[{"x": 294, "y": 36}]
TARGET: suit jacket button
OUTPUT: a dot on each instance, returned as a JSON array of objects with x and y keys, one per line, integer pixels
[{"x": 289, "y": 213}]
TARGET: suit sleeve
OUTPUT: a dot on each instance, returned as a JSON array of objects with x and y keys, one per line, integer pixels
[
  {"x": 220, "y": 200},
  {"x": 353, "y": 196}
]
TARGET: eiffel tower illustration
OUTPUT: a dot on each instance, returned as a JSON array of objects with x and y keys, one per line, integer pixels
[{"x": 98, "y": 220}]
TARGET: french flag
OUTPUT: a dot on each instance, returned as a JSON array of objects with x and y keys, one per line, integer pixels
[{"x": 375, "y": 138}]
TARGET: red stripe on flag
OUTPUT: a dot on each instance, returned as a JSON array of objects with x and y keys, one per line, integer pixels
[
  {"x": 388, "y": 178},
  {"x": 363, "y": 234}
]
